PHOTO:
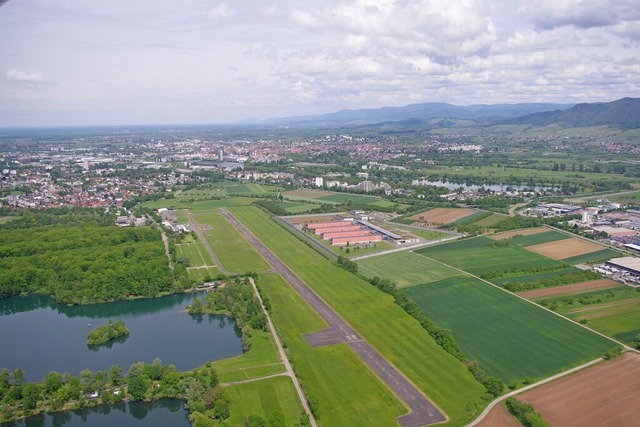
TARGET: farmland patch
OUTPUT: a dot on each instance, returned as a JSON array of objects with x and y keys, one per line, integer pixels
[
  {"x": 514, "y": 233},
  {"x": 567, "y": 248},
  {"x": 510, "y": 338},
  {"x": 606, "y": 394},
  {"x": 442, "y": 215},
  {"x": 575, "y": 288}
]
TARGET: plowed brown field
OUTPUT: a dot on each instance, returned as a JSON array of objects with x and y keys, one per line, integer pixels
[
  {"x": 442, "y": 215},
  {"x": 603, "y": 395},
  {"x": 522, "y": 232},
  {"x": 575, "y": 288},
  {"x": 566, "y": 248},
  {"x": 499, "y": 417}
]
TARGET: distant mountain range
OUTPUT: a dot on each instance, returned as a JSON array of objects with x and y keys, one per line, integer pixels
[{"x": 623, "y": 113}]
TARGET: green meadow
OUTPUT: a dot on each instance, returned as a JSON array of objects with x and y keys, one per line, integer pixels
[
  {"x": 272, "y": 399},
  {"x": 406, "y": 269}
]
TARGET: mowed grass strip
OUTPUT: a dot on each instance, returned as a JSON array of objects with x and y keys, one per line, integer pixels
[
  {"x": 271, "y": 399},
  {"x": 261, "y": 359},
  {"x": 481, "y": 254},
  {"x": 406, "y": 269},
  {"x": 235, "y": 253},
  {"x": 375, "y": 316},
  {"x": 511, "y": 338},
  {"x": 194, "y": 252},
  {"x": 346, "y": 391}
]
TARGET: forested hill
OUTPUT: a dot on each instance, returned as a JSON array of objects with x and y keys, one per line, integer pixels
[{"x": 623, "y": 113}]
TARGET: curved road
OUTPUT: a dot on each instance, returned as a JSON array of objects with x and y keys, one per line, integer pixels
[{"x": 422, "y": 411}]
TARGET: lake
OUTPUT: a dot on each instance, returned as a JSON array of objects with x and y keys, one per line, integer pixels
[
  {"x": 40, "y": 336},
  {"x": 160, "y": 413},
  {"x": 493, "y": 187}
]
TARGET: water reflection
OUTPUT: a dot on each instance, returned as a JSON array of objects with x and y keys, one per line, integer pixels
[{"x": 160, "y": 413}]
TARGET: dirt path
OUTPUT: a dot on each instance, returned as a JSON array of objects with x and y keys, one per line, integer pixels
[
  {"x": 512, "y": 209},
  {"x": 422, "y": 411}
]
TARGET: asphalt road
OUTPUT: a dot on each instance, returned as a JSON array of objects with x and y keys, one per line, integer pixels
[{"x": 422, "y": 412}]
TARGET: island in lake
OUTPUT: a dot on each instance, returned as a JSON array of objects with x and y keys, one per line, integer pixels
[{"x": 105, "y": 333}]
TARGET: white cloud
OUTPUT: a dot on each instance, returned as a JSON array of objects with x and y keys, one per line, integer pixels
[
  {"x": 304, "y": 19},
  {"x": 25, "y": 77},
  {"x": 221, "y": 11}
]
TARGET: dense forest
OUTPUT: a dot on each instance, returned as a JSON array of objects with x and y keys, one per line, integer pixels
[{"x": 82, "y": 264}]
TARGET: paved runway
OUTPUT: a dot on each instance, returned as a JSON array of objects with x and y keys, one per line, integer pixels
[{"x": 422, "y": 412}]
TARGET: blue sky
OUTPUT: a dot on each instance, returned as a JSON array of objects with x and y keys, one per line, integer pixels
[{"x": 79, "y": 62}]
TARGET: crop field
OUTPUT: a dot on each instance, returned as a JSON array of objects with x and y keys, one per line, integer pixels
[
  {"x": 510, "y": 338},
  {"x": 271, "y": 399},
  {"x": 235, "y": 253},
  {"x": 538, "y": 238},
  {"x": 605, "y": 394},
  {"x": 521, "y": 277},
  {"x": 195, "y": 252},
  {"x": 575, "y": 288},
  {"x": 251, "y": 188},
  {"x": 598, "y": 256},
  {"x": 514, "y": 233},
  {"x": 481, "y": 254},
  {"x": 617, "y": 316},
  {"x": 406, "y": 269},
  {"x": 376, "y": 318},
  {"x": 473, "y": 218},
  {"x": 346, "y": 392},
  {"x": 491, "y": 220},
  {"x": 567, "y": 248},
  {"x": 442, "y": 215}
]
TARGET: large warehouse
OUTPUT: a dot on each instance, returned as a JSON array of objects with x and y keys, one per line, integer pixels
[{"x": 629, "y": 264}]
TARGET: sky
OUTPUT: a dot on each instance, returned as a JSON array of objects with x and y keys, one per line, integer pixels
[{"x": 119, "y": 62}]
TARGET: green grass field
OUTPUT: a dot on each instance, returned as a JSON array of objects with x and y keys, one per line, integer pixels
[
  {"x": 272, "y": 399},
  {"x": 195, "y": 252},
  {"x": 346, "y": 391},
  {"x": 261, "y": 359},
  {"x": 235, "y": 253},
  {"x": 406, "y": 269},
  {"x": 198, "y": 205},
  {"x": 481, "y": 254},
  {"x": 375, "y": 316},
  {"x": 354, "y": 198},
  {"x": 510, "y": 338},
  {"x": 202, "y": 274}
]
